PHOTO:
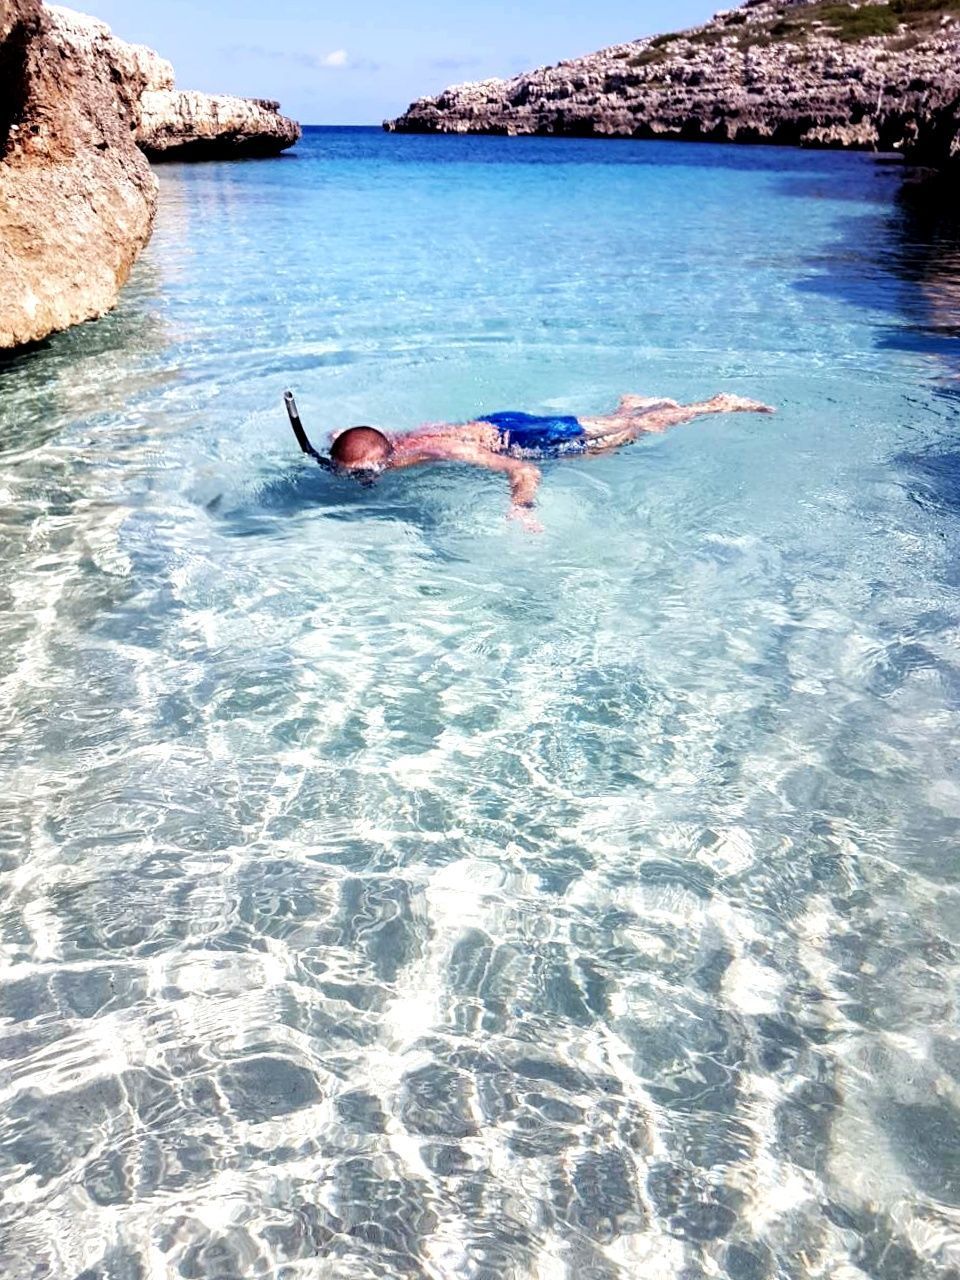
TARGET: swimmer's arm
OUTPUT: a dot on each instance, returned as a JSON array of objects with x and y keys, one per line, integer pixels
[{"x": 522, "y": 477}]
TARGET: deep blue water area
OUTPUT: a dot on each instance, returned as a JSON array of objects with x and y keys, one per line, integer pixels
[{"x": 389, "y": 892}]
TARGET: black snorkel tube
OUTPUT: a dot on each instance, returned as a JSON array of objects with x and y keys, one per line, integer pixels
[
  {"x": 366, "y": 478},
  {"x": 294, "y": 415}
]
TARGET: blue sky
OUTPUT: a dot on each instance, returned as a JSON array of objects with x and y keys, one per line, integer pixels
[{"x": 360, "y": 60}]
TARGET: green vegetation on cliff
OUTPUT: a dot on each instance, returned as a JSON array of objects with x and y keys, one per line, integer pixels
[{"x": 796, "y": 24}]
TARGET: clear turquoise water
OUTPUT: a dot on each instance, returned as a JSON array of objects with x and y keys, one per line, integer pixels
[{"x": 390, "y": 893}]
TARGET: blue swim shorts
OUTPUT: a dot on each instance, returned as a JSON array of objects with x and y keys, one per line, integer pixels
[{"x": 531, "y": 436}]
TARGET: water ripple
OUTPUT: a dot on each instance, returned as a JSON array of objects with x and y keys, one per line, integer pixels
[{"x": 387, "y": 893}]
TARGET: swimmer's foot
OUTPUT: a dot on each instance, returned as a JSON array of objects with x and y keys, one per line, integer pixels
[{"x": 737, "y": 404}]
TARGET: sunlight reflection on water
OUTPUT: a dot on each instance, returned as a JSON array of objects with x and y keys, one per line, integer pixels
[{"x": 388, "y": 893}]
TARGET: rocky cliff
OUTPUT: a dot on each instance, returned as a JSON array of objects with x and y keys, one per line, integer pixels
[
  {"x": 76, "y": 195},
  {"x": 78, "y": 109},
  {"x": 880, "y": 75},
  {"x": 935, "y": 140},
  {"x": 181, "y": 124}
]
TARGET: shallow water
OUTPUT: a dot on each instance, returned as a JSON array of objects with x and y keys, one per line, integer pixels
[{"x": 390, "y": 893}]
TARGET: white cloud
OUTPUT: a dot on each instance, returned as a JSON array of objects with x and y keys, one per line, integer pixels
[{"x": 338, "y": 60}]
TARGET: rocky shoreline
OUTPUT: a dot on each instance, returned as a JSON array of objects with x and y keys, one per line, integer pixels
[
  {"x": 881, "y": 76},
  {"x": 77, "y": 196},
  {"x": 171, "y": 123},
  {"x": 179, "y": 124},
  {"x": 80, "y": 113}
]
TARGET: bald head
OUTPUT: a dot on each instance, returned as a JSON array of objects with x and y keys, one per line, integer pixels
[{"x": 361, "y": 447}]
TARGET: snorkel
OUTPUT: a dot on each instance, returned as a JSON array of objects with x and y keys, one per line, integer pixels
[
  {"x": 363, "y": 475},
  {"x": 294, "y": 415}
]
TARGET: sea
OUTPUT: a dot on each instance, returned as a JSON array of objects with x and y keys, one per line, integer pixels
[{"x": 389, "y": 892}]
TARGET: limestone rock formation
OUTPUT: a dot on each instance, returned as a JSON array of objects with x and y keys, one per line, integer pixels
[
  {"x": 183, "y": 125},
  {"x": 936, "y": 138},
  {"x": 827, "y": 74},
  {"x": 178, "y": 124},
  {"x": 78, "y": 108},
  {"x": 77, "y": 197}
]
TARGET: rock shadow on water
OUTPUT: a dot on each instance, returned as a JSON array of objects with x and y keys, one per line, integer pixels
[
  {"x": 568, "y": 149},
  {"x": 900, "y": 257},
  {"x": 932, "y": 478}
]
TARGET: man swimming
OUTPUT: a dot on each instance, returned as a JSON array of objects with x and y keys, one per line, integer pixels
[{"x": 512, "y": 443}]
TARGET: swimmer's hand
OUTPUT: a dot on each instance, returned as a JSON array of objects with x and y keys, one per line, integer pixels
[{"x": 524, "y": 516}]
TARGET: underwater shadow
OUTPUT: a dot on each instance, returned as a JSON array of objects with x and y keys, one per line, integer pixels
[
  {"x": 284, "y": 497},
  {"x": 933, "y": 478},
  {"x": 901, "y": 257},
  {"x": 908, "y": 257},
  {"x": 45, "y": 383}
]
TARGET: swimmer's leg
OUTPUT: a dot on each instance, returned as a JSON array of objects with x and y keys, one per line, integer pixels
[
  {"x": 651, "y": 417},
  {"x": 724, "y": 403},
  {"x": 672, "y": 415},
  {"x": 629, "y": 411}
]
